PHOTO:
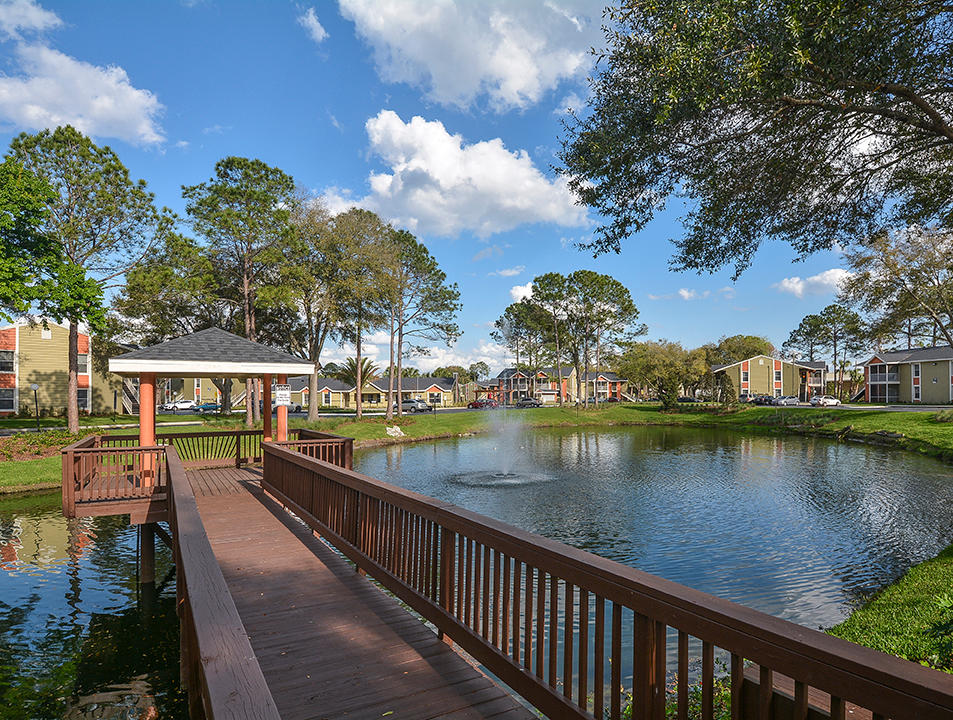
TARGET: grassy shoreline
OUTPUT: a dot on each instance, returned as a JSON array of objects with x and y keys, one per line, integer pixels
[{"x": 911, "y": 618}]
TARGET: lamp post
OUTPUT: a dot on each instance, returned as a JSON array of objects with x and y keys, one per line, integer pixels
[{"x": 36, "y": 405}]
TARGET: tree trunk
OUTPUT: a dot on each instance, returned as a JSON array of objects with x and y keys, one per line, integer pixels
[
  {"x": 400, "y": 369},
  {"x": 249, "y": 415},
  {"x": 359, "y": 375},
  {"x": 389, "y": 415},
  {"x": 559, "y": 365},
  {"x": 585, "y": 365},
  {"x": 313, "y": 400},
  {"x": 72, "y": 384}
]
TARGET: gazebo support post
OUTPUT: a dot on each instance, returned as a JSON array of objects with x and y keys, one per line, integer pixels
[
  {"x": 282, "y": 414},
  {"x": 266, "y": 407},
  {"x": 147, "y": 424}
]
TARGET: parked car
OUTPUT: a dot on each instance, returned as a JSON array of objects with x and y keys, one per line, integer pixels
[
  {"x": 413, "y": 405},
  {"x": 824, "y": 401},
  {"x": 207, "y": 407},
  {"x": 786, "y": 400},
  {"x": 612, "y": 398},
  {"x": 744, "y": 397},
  {"x": 528, "y": 402},
  {"x": 762, "y": 400},
  {"x": 174, "y": 407},
  {"x": 687, "y": 399},
  {"x": 483, "y": 404}
]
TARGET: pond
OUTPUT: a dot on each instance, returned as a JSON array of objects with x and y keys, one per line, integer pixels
[
  {"x": 79, "y": 638},
  {"x": 801, "y": 528}
]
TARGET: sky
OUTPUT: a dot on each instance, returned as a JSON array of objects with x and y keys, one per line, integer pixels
[{"x": 443, "y": 116}]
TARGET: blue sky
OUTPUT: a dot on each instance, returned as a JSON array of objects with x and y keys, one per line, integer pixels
[{"x": 442, "y": 116}]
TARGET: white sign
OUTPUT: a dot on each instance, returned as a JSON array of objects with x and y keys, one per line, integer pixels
[{"x": 283, "y": 395}]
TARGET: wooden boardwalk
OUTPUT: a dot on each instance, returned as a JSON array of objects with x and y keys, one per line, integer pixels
[{"x": 329, "y": 642}]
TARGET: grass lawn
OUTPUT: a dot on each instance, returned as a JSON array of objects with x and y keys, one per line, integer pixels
[
  {"x": 913, "y": 618},
  {"x": 30, "y": 473},
  {"x": 86, "y": 420}
]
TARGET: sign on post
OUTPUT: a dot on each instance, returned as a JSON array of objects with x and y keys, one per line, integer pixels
[{"x": 282, "y": 395}]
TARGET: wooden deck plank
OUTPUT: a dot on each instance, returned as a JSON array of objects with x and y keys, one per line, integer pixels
[{"x": 329, "y": 642}]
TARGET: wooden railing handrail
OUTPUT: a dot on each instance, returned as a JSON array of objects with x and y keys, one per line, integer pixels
[
  {"x": 117, "y": 450},
  {"x": 868, "y": 677},
  {"x": 233, "y": 685},
  {"x": 86, "y": 442}
]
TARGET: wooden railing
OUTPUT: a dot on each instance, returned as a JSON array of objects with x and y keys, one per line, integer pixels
[
  {"x": 334, "y": 449},
  {"x": 219, "y": 667},
  {"x": 578, "y": 635},
  {"x": 112, "y": 474},
  {"x": 210, "y": 448}
]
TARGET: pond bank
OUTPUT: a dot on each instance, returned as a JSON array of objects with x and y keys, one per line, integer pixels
[{"x": 911, "y": 618}]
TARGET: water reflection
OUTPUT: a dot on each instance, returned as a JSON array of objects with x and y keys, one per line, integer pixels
[
  {"x": 797, "y": 527},
  {"x": 79, "y": 638}
]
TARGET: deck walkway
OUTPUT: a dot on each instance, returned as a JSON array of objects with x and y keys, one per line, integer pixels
[{"x": 329, "y": 642}]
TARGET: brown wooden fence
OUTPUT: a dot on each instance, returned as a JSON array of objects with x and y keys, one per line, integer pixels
[
  {"x": 209, "y": 448},
  {"x": 219, "y": 667},
  {"x": 334, "y": 449},
  {"x": 551, "y": 621},
  {"x": 111, "y": 474}
]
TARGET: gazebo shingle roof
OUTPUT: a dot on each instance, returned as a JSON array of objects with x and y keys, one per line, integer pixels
[{"x": 209, "y": 353}]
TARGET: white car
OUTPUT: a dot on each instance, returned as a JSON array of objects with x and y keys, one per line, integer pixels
[
  {"x": 177, "y": 405},
  {"x": 824, "y": 401},
  {"x": 786, "y": 400}
]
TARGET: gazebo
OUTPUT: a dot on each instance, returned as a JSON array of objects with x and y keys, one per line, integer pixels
[{"x": 207, "y": 354}]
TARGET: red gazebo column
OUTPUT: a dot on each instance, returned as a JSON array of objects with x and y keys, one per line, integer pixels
[
  {"x": 282, "y": 414},
  {"x": 266, "y": 406},
  {"x": 147, "y": 423},
  {"x": 147, "y": 409}
]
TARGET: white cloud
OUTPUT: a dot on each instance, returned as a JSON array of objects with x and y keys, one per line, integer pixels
[
  {"x": 689, "y": 294},
  {"x": 182, "y": 144},
  {"x": 55, "y": 89},
  {"x": 519, "y": 292},
  {"x": 439, "y": 185},
  {"x": 492, "y": 354},
  {"x": 19, "y": 15},
  {"x": 309, "y": 21},
  {"x": 824, "y": 283},
  {"x": 667, "y": 296},
  {"x": 487, "y": 252},
  {"x": 461, "y": 51},
  {"x": 571, "y": 102},
  {"x": 727, "y": 292},
  {"x": 508, "y": 272}
]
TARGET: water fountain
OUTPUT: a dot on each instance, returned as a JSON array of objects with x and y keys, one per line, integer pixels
[{"x": 510, "y": 462}]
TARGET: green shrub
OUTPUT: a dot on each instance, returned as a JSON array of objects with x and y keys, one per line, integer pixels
[{"x": 943, "y": 416}]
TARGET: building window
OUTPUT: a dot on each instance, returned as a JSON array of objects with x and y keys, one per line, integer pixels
[
  {"x": 327, "y": 398},
  {"x": 82, "y": 397},
  {"x": 744, "y": 376},
  {"x": 373, "y": 398},
  {"x": 7, "y": 400},
  {"x": 82, "y": 364},
  {"x": 916, "y": 369},
  {"x": 435, "y": 398},
  {"x": 777, "y": 392},
  {"x": 6, "y": 360},
  {"x": 916, "y": 392},
  {"x": 777, "y": 376}
]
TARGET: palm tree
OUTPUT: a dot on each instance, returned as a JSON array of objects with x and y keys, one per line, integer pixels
[{"x": 347, "y": 373}]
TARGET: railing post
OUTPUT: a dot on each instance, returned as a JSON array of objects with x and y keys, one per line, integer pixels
[
  {"x": 69, "y": 492},
  {"x": 349, "y": 454},
  {"x": 448, "y": 553},
  {"x": 238, "y": 449}
]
